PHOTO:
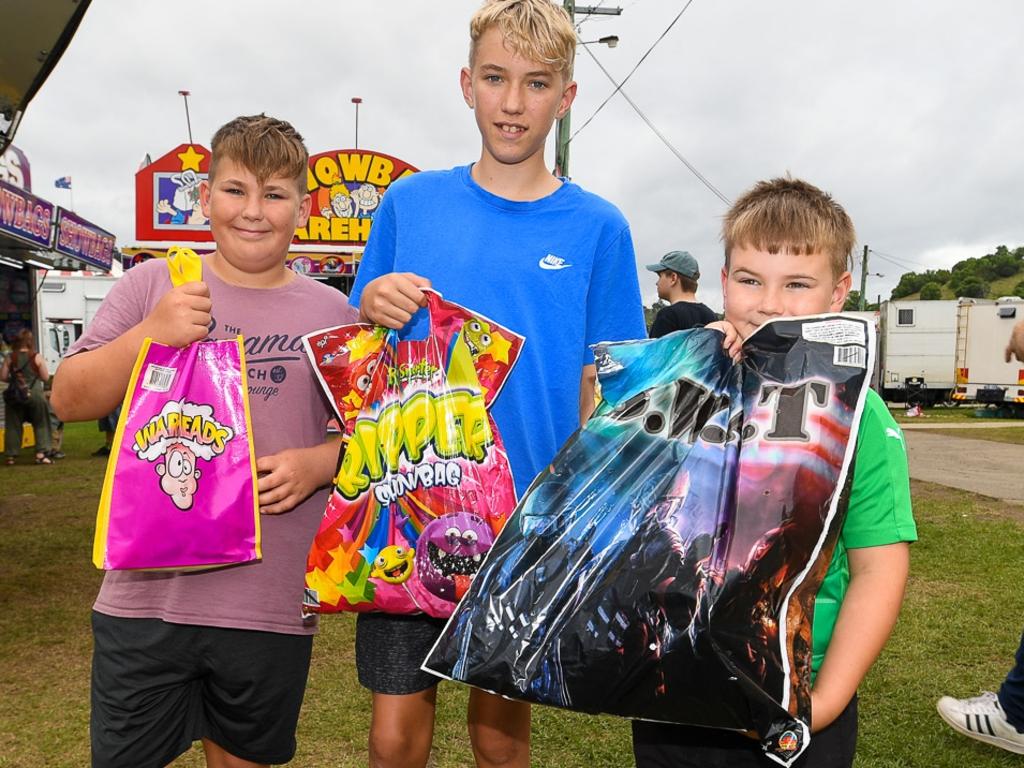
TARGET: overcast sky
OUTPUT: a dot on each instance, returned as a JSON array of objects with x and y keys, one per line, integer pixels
[{"x": 910, "y": 113}]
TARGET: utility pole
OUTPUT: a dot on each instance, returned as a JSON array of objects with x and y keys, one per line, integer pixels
[
  {"x": 563, "y": 129},
  {"x": 863, "y": 281}
]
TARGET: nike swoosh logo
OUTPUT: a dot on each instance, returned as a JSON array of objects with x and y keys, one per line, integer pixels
[{"x": 552, "y": 262}]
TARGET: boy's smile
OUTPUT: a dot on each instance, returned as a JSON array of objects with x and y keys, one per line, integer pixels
[
  {"x": 515, "y": 100},
  {"x": 759, "y": 286},
  {"x": 252, "y": 223}
]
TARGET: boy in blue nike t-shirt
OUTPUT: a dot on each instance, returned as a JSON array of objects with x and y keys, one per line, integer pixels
[{"x": 535, "y": 253}]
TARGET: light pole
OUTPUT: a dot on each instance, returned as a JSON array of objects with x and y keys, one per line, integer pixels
[
  {"x": 562, "y": 134},
  {"x": 357, "y": 101},
  {"x": 188, "y": 120}
]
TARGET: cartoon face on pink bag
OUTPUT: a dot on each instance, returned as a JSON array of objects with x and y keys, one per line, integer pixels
[
  {"x": 175, "y": 440},
  {"x": 450, "y": 551},
  {"x": 179, "y": 475}
]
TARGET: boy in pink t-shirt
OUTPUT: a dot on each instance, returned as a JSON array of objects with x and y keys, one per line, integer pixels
[{"x": 220, "y": 655}]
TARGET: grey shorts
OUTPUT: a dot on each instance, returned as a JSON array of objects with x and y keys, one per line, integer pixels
[{"x": 390, "y": 650}]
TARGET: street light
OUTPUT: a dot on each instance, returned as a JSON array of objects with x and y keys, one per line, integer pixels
[
  {"x": 610, "y": 40},
  {"x": 188, "y": 120},
  {"x": 357, "y": 101},
  {"x": 562, "y": 132}
]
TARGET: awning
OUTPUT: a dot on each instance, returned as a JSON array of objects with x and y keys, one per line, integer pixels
[{"x": 32, "y": 39}]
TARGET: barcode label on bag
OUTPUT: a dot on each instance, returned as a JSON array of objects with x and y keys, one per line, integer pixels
[
  {"x": 851, "y": 357},
  {"x": 158, "y": 378}
]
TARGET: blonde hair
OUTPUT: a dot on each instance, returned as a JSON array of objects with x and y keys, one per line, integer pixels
[
  {"x": 537, "y": 30},
  {"x": 265, "y": 145},
  {"x": 791, "y": 216}
]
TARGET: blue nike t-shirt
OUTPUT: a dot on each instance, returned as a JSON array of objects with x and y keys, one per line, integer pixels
[{"x": 560, "y": 271}]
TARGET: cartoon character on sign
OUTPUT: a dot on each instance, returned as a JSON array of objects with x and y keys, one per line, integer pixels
[
  {"x": 341, "y": 201},
  {"x": 180, "y": 435},
  {"x": 451, "y": 550},
  {"x": 179, "y": 475},
  {"x": 367, "y": 198},
  {"x": 185, "y": 208}
]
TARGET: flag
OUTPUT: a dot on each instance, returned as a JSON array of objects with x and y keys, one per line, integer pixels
[{"x": 64, "y": 182}]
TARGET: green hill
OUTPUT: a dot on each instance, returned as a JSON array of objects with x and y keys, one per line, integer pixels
[
  {"x": 986, "y": 277},
  {"x": 1003, "y": 286}
]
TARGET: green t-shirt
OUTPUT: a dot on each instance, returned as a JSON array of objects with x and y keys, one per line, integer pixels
[{"x": 878, "y": 513}]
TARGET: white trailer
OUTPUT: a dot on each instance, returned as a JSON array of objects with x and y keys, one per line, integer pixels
[
  {"x": 67, "y": 303},
  {"x": 917, "y": 342},
  {"x": 982, "y": 373}
]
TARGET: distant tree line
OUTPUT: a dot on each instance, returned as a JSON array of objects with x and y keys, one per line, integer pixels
[{"x": 971, "y": 278}]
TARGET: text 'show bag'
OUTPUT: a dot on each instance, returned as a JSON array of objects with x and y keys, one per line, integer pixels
[
  {"x": 424, "y": 483},
  {"x": 665, "y": 566},
  {"x": 180, "y": 487}
]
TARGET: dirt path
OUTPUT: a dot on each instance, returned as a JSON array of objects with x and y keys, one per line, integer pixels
[
  {"x": 1019, "y": 424},
  {"x": 979, "y": 466}
]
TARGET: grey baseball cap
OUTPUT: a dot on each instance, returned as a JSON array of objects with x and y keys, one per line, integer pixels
[{"x": 678, "y": 261}]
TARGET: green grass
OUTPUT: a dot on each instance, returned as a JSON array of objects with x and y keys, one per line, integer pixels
[
  {"x": 948, "y": 414},
  {"x": 959, "y": 628}
]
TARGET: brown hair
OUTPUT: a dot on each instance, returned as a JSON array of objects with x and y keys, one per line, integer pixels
[
  {"x": 688, "y": 284},
  {"x": 791, "y": 216},
  {"x": 25, "y": 340},
  {"x": 265, "y": 145},
  {"x": 537, "y": 30}
]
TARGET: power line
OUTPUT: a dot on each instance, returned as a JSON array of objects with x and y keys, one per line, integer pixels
[
  {"x": 901, "y": 263},
  {"x": 618, "y": 86},
  {"x": 618, "y": 89}
]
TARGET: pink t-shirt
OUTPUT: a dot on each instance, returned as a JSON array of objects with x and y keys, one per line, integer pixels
[{"x": 288, "y": 411}]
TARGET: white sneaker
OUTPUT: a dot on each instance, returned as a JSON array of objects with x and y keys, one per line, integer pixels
[{"x": 981, "y": 718}]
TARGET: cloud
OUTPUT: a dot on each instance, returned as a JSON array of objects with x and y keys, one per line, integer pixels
[{"x": 908, "y": 112}]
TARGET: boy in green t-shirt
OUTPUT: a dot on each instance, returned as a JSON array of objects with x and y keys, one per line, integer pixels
[{"x": 787, "y": 249}]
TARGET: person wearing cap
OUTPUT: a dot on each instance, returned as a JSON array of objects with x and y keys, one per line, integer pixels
[{"x": 678, "y": 273}]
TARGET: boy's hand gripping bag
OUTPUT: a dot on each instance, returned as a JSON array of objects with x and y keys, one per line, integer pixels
[
  {"x": 665, "y": 566},
  {"x": 180, "y": 487},
  {"x": 424, "y": 484}
]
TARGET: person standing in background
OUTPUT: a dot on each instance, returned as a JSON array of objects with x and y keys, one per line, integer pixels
[
  {"x": 678, "y": 273},
  {"x": 26, "y": 367},
  {"x": 994, "y": 718}
]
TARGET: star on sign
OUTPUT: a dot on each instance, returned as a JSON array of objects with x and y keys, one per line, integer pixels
[{"x": 190, "y": 159}]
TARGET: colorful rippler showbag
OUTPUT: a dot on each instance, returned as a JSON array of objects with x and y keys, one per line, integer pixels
[
  {"x": 180, "y": 487},
  {"x": 665, "y": 566},
  {"x": 424, "y": 484}
]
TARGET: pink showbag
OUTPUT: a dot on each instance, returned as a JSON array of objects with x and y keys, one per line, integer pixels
[{"x": 180, "y": 487}]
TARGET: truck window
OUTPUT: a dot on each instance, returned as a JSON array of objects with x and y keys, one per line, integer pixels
[{"x": 904, "y": 317}]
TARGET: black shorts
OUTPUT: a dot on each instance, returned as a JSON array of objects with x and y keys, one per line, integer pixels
[
  {"x": 158, "y": 687},
  {"x": 660, "y": 745},
  {"x": 390, "y": 650}
]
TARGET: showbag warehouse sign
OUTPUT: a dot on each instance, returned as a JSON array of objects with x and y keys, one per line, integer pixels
[{"x": 347, "y": 187}]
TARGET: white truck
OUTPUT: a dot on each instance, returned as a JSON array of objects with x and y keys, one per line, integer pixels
[
  {"x": 982, "y": 373},
  {"x": 917, "y": 341},
  {"x": 67, "y": 303}
]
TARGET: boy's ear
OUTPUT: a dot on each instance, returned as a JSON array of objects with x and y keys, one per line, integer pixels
[
  {"x": 840, "y": 292},
  {"x": 725, "y": 280},
  {"x": 466, "y": 83},
  {"x": 568, "y": 95},
  {"x": 204, "y": 197},
  {"x": 305, "y": 206}
]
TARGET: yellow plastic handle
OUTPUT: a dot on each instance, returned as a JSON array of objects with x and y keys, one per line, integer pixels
[{"x": 184, "y": 265}]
